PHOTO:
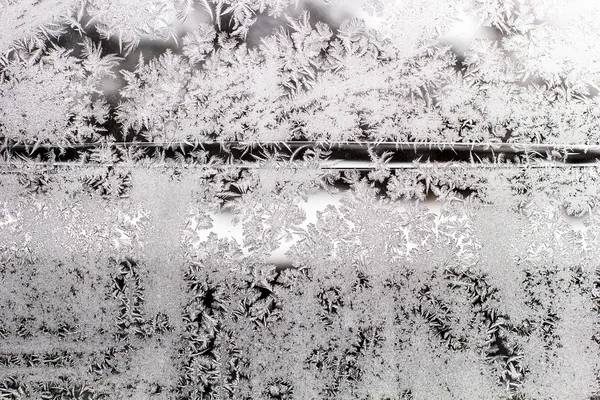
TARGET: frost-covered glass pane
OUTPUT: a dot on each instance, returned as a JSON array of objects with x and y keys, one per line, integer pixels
[{"x": 274, "y": 199}]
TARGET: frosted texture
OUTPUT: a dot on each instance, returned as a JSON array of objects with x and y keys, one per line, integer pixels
[{"x": 275, "y": 199}]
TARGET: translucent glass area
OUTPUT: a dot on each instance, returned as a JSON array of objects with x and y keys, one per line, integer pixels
[
  {"x": 189, "y": 282},
  {"x": 299, "y": 200}
]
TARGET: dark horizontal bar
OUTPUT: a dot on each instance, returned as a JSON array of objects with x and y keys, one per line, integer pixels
[
  {"x": 502, "y": 147},
  {"x": 331, "y": 165},
  {"x": 402, "y": 152}
]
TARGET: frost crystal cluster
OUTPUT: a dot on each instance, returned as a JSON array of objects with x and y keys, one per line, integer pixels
[{"x": 309, "y": 199}]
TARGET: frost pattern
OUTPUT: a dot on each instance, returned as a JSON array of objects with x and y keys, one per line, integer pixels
[
  {"x": 180, "y": 268},
  {"x": 494, "y": 295},
  {"x": 56, "y": 100},
  {"x": 130, "y": 21},
  {"x": 469, "y": 71}
]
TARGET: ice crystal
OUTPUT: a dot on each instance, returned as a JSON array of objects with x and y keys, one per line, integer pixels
[
  {"x": 155, "y": 92},
  {"x": 393, "y": 72},
  {"x": 130, "y": 22},
  {"x": 278, "y": 202},
  {"x": 57, "y": 99}
]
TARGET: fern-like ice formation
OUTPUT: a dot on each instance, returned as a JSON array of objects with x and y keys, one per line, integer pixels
[
  {"x": 174, "y": 225},
  {"x": 122, "y": 283},
  {"x": 410, "y": 71}
]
